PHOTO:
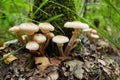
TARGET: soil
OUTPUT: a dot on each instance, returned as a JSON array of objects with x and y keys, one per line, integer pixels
[{"x": 91, "y": 61}]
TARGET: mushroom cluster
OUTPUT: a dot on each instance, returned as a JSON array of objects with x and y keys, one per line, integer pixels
[
  {"x": 91, "y": 33},
  {"x": 39, "y": 36},
  {"x": 35, "y": 41}
]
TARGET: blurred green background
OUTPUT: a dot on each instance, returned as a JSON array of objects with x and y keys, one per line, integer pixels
[{"x": 102, "y": 15}]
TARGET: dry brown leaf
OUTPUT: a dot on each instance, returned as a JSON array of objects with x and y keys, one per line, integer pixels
[
  {"x": 42, "y": 62},
  {"x": 102, "y": 62},
  {"x": 9, "y": 59},
  {"x": 56, "y": 61}
]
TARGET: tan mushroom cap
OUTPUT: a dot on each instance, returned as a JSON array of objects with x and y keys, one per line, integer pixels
[
  {"x": 90, "y": 30},
  {"x": 50, "y": 35},
  {"x": 14, "y": 29},
  {"x": 60, "y": 39},
  {"x": 32, "y": 46},
  {"x": 29, "y": 28},
  {"x": 39, "y": 38},
  {"x": 76, "y": 24},
  {"x": 94, "y": 36},
  {"x": 46, "y": 27}
]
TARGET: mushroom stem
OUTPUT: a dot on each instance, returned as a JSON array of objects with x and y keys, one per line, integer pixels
[
  {"x": 71, "y": 42},
  {"x": 30, "y": 37},
  {"x": 20, "y": 38},
  {"x": 60, "y": 48},
  {"x": 46, "y": 44},
  {"x": 41, "y": 50}
]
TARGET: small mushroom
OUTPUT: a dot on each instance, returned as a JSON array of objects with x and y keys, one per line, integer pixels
[
  {"x": 49, "y": 35},
  {"x": 16, "y": 30},
  {"x": 91, "y": 33},
  {"x": 46, "y": 27},
  {"x": 60, "y": 40},
  {"x": 29, "y": 29},
  {"x": 77, "y": 26},
  {"x": 40, "y": 39},
  {"x": 32, "y": 46}
]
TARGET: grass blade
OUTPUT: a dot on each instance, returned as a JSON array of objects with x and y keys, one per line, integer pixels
[
  {"x": 54, "y": 18},
  {"x": 11, "y": 53},
  {"x": 41, "y": 5},
  {"x": 109, "y": 3}
]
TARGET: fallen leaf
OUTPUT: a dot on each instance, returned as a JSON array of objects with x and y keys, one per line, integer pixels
[{"x": 42, "y": 62}]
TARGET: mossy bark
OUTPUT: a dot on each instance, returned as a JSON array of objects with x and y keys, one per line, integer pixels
[{"x": 53, "y": 8}]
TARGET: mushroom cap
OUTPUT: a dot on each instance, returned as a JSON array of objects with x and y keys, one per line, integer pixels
[
  {"x": 46, "y": 27},
  {"x": 14, "y": 29},
  {"x": 76, "y": 24},
  {"x": 60, "y": 39},
  {"x": 50, "y": 35},
  {"x": 32, "y": 46},
  {"x": 89, "y": 31},
  {"x": 39, "y": 38},
  {"x": 94, "y": 36},
  {"x": 29, "y": 28}
]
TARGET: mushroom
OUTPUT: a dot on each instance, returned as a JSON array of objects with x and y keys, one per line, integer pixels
[
  {"x": 29, "y": 29},
  {"x": 32, "y": 46},
  {"x": 77, "y": 26},
  {"x": 46, "y": 27},
  {"x": 49, "y": 35},
  {"x": 16, "y": 30},
  {"x": 60, "y": 40},
  {"x": 40, "y": 39},
  {"x": 91, "y": 33}
]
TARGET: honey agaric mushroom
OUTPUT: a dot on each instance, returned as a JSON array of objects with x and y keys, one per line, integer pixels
[
  {"x": 46, "y": 27},
  {"x": 60, "y": 40},
  {"x": 42, "y": 62},
  {"x": 29, "y": 29},
  {"x": 91, "y": 33},
  {"x": 77, "y": 26},
  {"x": 9, "y": 59},
  {"x": 16, "y": 30},
  {"x": 32, "y": 46},
  {"x": 49, "y": 35},
  {"x": 40, "y": 39}
]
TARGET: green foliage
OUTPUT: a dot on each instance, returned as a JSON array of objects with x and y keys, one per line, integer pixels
[{"x": 102, "y": 15}]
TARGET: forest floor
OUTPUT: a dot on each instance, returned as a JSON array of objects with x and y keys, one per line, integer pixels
[{"x": 93, "y": 61}]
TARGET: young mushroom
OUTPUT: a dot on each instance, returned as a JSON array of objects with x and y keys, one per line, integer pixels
[
  {"x": 45, "y": 29},
  {"x": 29, "y": 29},
  {"x": 32, "y": 46},
  {"x": 76, "y": 25},
  {"x": 60, "y": 40},
  {"x": 16, "y": 30},
  {"x": 40, "y": 39},
  {"x": 49, "y": 35},
  {"x": 91, "y": 33}
]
